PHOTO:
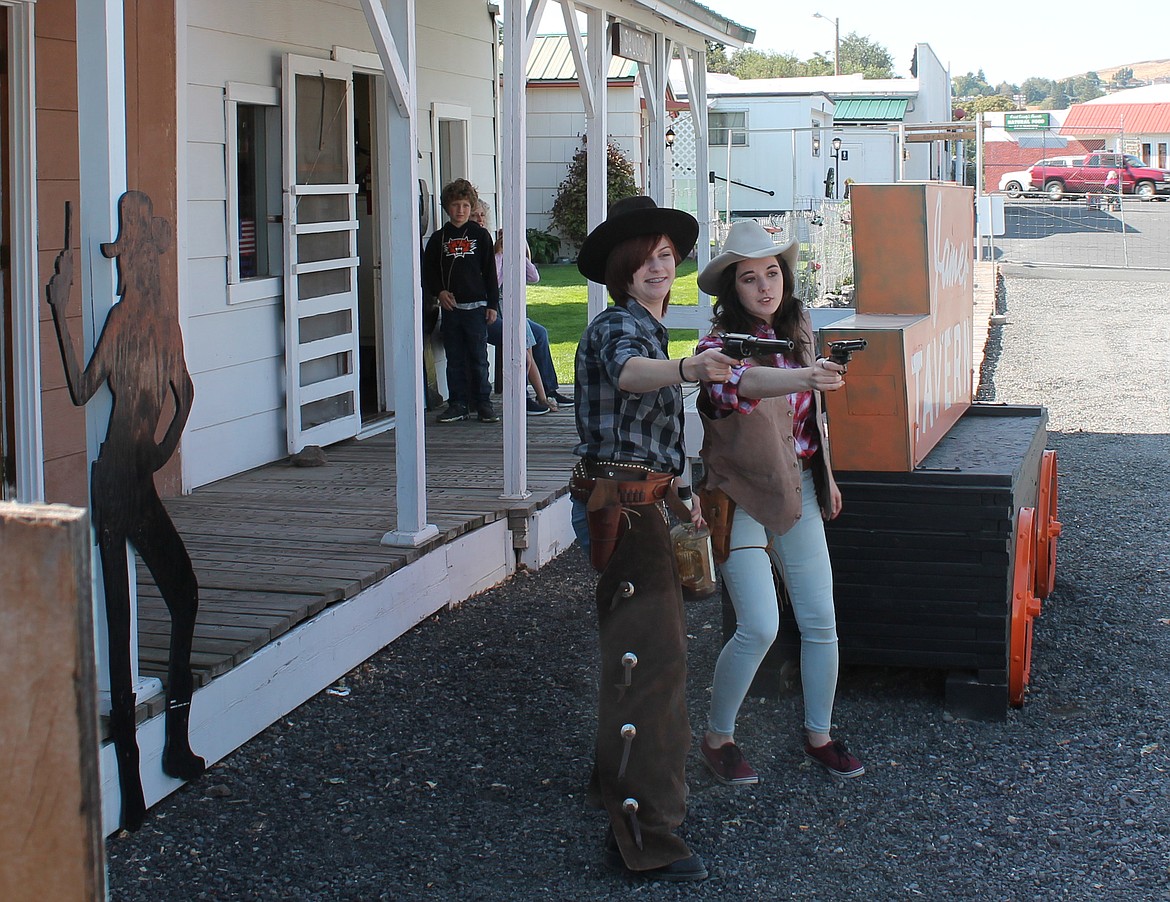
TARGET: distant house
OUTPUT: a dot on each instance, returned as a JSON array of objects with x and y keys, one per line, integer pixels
[
  {"x": 771, "y": 139},
  {"x": 1133, "y": 121}
]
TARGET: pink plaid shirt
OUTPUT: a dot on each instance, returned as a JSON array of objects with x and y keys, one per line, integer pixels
[{"x": 725, "y": 396}]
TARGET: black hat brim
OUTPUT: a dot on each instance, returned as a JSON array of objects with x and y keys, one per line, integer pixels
[{"x": 681, "y": 227}]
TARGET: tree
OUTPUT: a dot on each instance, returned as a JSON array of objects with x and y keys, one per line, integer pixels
[
  {"x": 1056, "y": 101},
  {"x": 1122, "y": 76},
  {"x": 717, "y": 60},
  {"x": 860, "y": 54},
  {"x": 756, "y": 64},
  {"x": 992, "y": 103},
  {"x": 570, "y": 213},
  {"x": 1079, "y": 89},
  {"x": 971, "y": 85},
  {"x": 750, "y": 63},
  {"x": 1036, "y": 89}
]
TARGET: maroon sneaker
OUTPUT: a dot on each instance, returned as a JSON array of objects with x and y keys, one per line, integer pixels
[
  {"x": 728, "y": 764},
  {"x": 835, "y": 758}
]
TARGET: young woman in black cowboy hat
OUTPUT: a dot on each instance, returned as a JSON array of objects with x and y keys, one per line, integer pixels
[
  {"x": 764, "y": 446},
  {"x": 629, "y": 415}
]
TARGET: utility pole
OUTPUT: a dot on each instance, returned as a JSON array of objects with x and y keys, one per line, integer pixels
[{"x": 836, "y": 41}]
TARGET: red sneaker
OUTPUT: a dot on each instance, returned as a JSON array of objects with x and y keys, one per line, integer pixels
[
  {"x": 728, "y": 764},
  {"x": 835, "y": 758}
]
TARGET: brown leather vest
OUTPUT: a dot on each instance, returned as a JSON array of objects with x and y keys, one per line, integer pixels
[{"x": 752, "y": 457}]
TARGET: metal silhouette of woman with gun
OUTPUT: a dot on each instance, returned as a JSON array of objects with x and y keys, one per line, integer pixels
[{"x": 139, "y": 354}]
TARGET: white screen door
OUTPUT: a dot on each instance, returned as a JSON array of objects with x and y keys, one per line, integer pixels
[{"x": 321, "y": 259}]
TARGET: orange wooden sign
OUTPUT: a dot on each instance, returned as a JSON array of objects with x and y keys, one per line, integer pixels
[{"x": 913, "y": 256}]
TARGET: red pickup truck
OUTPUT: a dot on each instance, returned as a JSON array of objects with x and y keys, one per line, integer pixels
[{"x": 1080, "y": 175}]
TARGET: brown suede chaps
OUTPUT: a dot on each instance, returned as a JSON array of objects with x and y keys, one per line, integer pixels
[{"x": 643, "y": 734}]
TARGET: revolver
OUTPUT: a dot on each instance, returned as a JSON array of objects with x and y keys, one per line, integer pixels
[
  {"x": 744, "y": 346},
  {"x": 842, "y": 351}
]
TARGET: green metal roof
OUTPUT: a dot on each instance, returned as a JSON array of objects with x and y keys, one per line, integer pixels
[{"x": 870, "y": 109}]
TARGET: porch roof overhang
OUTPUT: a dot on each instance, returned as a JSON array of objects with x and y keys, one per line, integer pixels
[
  {"x": 684, "y": 21},
  {"x": 700, "y": 19}
]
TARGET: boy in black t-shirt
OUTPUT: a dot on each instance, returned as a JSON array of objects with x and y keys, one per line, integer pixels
[{"x": 459, "y": 268}]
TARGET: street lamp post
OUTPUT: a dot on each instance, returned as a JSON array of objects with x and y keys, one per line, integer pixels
[
  {"x": 836, "y": 155},
  {"x": 836, "y": 41}
]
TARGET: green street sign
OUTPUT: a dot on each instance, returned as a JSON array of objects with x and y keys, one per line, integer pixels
[{"x": 1025, "y": 121}]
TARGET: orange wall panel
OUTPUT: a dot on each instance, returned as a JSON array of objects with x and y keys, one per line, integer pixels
[
  {"x": 58, "y": 180},
  {"x": 152, "y": 161}
]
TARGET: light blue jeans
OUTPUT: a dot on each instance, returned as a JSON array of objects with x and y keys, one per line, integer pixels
[{"x": 801, "y": 556}]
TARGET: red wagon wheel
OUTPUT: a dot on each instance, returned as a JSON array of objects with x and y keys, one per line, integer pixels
[
  {"x": 1025, "y": 607},
  {"x": 1047, "y": 526}
]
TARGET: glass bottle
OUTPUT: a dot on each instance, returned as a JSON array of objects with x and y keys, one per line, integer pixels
[{"x": 692, "y": 550}]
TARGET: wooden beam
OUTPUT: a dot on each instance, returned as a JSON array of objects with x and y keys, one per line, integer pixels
[
  {"x": 584, "y": 80},
  {"x": 51, "y": 841},
  {"x": 392, "y": 64}
]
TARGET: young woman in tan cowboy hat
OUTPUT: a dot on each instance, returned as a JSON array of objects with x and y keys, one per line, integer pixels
[
  {"x": 765, "y": 447},
  {"x": 629, "y": 415}
]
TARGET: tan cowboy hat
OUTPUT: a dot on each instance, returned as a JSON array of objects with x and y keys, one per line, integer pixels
[
  {"x": 747, "y": 240},
  {"x": 629, "y": 218}
]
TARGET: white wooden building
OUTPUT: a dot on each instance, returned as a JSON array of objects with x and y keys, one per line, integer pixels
[{"x": 310, "y": 137}]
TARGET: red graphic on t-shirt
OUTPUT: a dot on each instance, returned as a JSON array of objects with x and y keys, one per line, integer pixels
[{"x": 460, "y": 247}]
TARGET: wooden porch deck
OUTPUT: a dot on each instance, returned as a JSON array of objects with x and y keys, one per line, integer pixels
[{"x": 275, "y": 546}]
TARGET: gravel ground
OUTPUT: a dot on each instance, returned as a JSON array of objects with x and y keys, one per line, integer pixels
[{"x": 451, "y": 765}]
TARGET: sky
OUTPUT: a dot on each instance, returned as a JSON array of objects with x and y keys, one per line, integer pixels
[{"x": 1010, "y": 41}]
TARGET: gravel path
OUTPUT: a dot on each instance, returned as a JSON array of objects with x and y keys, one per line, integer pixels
[{"x": 451, "y": 765}]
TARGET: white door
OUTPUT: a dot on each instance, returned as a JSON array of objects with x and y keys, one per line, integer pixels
[{"x": 321, "y": 258}]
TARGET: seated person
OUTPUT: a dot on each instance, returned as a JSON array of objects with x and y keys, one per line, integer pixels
[{"x": 542, "y": 374}]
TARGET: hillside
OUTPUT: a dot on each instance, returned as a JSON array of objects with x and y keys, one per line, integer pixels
[{"x": 1145, "y": 71}]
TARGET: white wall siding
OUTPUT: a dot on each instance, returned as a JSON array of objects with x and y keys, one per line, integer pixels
[
  {"x": 235, "y": 352},
  {"x": 556, "y": 124}
]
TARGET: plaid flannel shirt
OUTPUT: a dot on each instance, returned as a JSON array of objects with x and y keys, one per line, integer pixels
[{"x": 644, "y": 428}]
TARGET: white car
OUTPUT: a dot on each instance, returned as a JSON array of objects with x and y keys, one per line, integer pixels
[{"x": 1016, "y": 183}]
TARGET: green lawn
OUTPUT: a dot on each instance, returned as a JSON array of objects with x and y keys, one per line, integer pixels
[{"x": 559, "y": 303}]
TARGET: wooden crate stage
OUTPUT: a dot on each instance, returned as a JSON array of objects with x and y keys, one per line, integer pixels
[
  {"x": 277, "y": 545},
  {"x": 923, "y": 561}
]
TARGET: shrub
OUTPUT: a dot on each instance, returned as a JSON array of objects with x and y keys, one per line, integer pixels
[
  {"x": 544, "y": 246},
  {"x": 570, "y": 212}
]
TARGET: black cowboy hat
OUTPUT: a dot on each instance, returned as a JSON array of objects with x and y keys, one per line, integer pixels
[{"x": 629, "y": 218}]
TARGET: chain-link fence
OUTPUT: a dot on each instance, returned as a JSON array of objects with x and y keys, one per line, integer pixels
[
  {"x": 770, "y": 175},
  {"x": 823, "y": 229},
  {"x": 1080, "y": 196}
]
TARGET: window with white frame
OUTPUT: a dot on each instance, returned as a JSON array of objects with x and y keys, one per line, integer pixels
[
  {"x": 255, "y": 222},
  {"x": 727, "y": 126}
]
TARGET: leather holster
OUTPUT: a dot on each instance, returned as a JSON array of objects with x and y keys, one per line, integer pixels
[
  {"x": 718, "y": 511},
  {"x": 603, "y": 512}
]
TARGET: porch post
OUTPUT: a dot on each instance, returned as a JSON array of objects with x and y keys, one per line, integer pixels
[
  {"x": 511, "y": 218},
  {"x": 596, "y": 133},
  {"x": 392, "y": 26},
  {"x": 101, "y": 127},
  {"x": 697, "y": 92}
]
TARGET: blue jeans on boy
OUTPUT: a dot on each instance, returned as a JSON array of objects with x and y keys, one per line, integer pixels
[{"x": 465, "y": 343}]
